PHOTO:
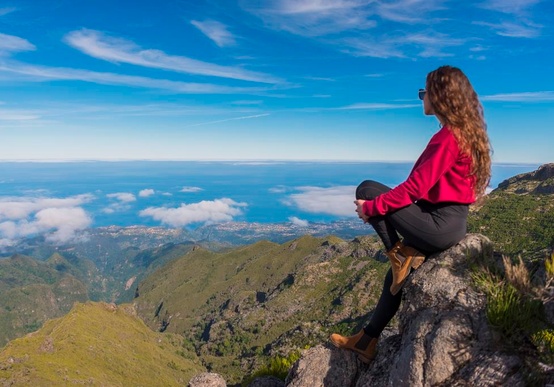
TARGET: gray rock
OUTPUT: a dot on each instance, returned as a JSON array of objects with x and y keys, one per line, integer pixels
[
  {"x": 324, "y": 367},
  {"x": 207, "y": 379},
  {"x": 267, "y": 381},
  {"x": 443, "y": 337}
]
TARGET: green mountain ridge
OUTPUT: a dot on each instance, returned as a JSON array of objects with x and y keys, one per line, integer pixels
[
  {"x": 238, "y": 308},
  {"x": 33, "y": 291},
  {"x": 519, "y": 215},
  {"x": 97, "y": 344}
]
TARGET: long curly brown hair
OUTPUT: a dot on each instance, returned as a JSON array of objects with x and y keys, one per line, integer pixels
[{"x": 457, "y": 106}]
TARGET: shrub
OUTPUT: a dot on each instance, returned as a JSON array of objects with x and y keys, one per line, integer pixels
[
  {"x": 544, "y": 341},
  {"x": 277, "y": 366},
  {"x": 512, "y": 313}
]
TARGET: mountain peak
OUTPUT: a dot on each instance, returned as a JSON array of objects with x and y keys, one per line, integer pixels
[
  {"x": 80, "y": 348},
  {"x": 540, "y": 181}
]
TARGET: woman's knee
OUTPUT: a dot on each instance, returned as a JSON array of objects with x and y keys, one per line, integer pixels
[{"x": 370, "y": 189}]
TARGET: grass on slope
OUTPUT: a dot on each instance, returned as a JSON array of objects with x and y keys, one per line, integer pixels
[
  {"x": 237, "y": 306},
  {"x": 516, "y": 223},
  {"x": 100, "y": 344}
]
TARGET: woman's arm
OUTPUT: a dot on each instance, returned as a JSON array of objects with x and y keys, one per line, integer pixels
[{"x": 438, "y": 157}]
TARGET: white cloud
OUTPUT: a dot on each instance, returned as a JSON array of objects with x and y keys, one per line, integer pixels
[
  {"x": 59, "y": 220},
  {"x": 216, "y": 31},
  {"x": 378, "y": 28},
  {"x": 533, "y": 96},
  {"x": 407, "y": 11},
  {"x": 122, "y": 203},
  {"x": 125, "y": 197},
  {"x": 19, "y": 208},
  {"x": 298, "y": 222},
  {"x": 10, "y": 43},
  {"x": 337, "y": 200},
  {"x": 117, "y": 50},
  {"x": 370, "y": 46},
  {"x": 278, "y": 189},
  {"x": 191, "y": 189},
  {"x": 59, "y": 73},
  {"x": 423, "y": 44},
  {"x": 64, "y": 221},
  {"x": 431, "y": 44},
  {"x": 17, "y": 115},
  {"x": 229, "y": 119},
  {"x": 516, "y": 7},
  {"x": 313, "y": 17},
  {"x": 378, "y": 106},
  {"x": 521, "y": 25},
  {"x": 146, "y": 192},
  {"x": 517, "y": 29},
  {"x": 219, "y": 210}
]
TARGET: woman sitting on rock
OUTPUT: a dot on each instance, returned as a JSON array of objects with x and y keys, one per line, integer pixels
[{"x": 429, "y": 210}]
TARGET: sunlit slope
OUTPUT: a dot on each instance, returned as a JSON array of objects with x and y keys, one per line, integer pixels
[
  {"x": 97, "y": 344},
  {"x": 518, "y": 216},
  {"x": 201, "y": 280},
  {"x": 241, "y": 306}
]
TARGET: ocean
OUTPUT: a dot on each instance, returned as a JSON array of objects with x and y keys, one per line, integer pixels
[{"x": 61, "y": 198}]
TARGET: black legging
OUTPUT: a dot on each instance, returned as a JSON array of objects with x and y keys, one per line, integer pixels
[{"x": 425, "y": 226}]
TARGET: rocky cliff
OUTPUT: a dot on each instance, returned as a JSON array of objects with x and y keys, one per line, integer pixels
[
  {"x": 540, "y": 181},
  {"x": 443, "y": 338}
]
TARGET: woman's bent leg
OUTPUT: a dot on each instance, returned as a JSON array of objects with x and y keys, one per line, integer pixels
[{"x": 369, "y": 190}]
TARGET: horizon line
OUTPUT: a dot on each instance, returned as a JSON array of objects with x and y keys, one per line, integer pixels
[{"x": 251, "y": 161}]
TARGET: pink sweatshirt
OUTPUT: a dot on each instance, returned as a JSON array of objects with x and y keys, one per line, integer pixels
[{"x": 441, "y": 174}]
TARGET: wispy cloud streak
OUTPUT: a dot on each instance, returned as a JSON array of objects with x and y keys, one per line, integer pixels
[
  {"x": 11, "y": 43},
  {"x": 335, "y": 21},
  {"x": 519, "y": 29},
  {"x": 378, "y": 106},
  {"x": 516, "y": 7},
  {"x": 215, "y": 31},
  {"x": 17, "y": 115},
  {"x": 230, "y": 119},
  {"x": 60, "y": 73},
  {"x": 313, "y": 17},
  {"x": 534, "y": 96},
  {"x": 522, "y": 25},
  {"x": 101, "y": 46}
]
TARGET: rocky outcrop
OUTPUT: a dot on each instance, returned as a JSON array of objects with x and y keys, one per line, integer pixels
[
  {"x": 540, "y": 181},
  {"x": 443, "y": 337},
  {"x": 207, "y": 379}
]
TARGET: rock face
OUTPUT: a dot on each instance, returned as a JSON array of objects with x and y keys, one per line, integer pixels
[
  {"x": 207, "y": 379},
  {"x": 537, "y": 182},
  {"x": 443, "y": 337}
]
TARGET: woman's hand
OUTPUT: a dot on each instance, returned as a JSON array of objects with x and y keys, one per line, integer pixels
[{"x": 360, "y": 210}]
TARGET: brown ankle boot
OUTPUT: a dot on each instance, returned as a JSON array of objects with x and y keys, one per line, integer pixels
[
  {"x": 402, "y": 258},
  {"x": 361, "y": 343}
]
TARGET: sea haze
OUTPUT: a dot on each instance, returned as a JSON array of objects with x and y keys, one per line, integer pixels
[{"x": 60, "y": 199}]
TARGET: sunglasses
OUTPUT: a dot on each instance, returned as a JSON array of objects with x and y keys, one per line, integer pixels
[{"x": 421, "y": 94}]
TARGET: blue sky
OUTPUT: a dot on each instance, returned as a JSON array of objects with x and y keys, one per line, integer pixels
[{"x": 275, "y": 79}]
